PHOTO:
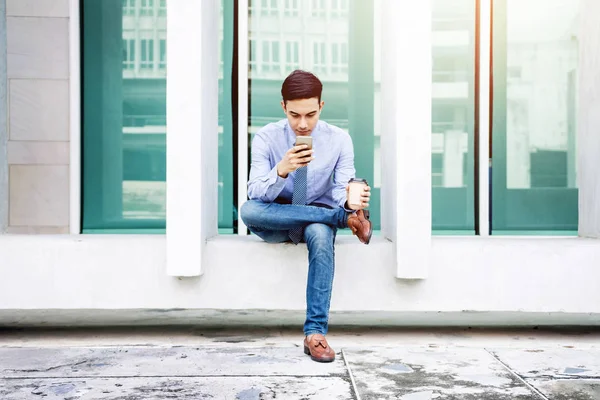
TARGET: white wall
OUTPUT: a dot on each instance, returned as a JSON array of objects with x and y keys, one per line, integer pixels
[
  {"x": 37, "y": 58},
  {"x": 3, "y": 131},
  {"x": 87, "y": 275}
]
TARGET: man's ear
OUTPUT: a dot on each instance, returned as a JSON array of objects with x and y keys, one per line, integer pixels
[
  {"x": 321, "y": 106},
  {"x": 283, "y": 106}
]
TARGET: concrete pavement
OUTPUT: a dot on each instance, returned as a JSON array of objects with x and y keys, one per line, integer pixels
[{"x": 247, "y": 364}]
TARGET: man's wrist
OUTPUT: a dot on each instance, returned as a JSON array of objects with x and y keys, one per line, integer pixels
[{"x": 281, "y": 174}]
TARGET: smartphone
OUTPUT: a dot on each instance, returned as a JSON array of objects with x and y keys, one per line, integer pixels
[{"x": 304, "y": 140}]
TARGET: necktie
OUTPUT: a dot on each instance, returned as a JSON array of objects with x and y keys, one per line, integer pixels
[{"x": 299, "y": 198}]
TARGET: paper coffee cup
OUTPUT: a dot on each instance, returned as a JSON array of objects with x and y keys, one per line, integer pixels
[{"x": 355, "y": 191}]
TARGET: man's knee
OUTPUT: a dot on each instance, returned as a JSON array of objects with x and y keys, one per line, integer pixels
[
  {"x": 250, "y": 210},
  {"x": 319, "y": 234}
]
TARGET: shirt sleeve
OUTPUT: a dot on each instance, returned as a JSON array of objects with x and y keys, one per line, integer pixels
[
  {"x": 264, "y": 183},
  {"x": 344, "y": 171}
]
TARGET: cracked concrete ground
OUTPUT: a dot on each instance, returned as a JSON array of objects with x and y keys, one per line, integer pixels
[{"x": 251, "y": 364}]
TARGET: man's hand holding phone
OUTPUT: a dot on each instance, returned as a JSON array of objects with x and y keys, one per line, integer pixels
[{"x": 296, "y": 157}]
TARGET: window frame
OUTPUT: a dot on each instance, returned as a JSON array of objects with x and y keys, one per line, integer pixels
[
  {"x": 292, "y": 8},
  {"x": 147, "y": 59},
  {"x": 147, "y": 8},
  {"x": 268, "y": 63},
  {"x": 318, "y": 8},
  {"x": 268, "y": 8},
  {"x": 130, "y": 55},
  {"x": 162, "y": 53},
  {"x": 513, "y": 209},
  {"x": 319, "y": 57},
  {"x": 129, "y": 7},
  {"x": 292, "y": 55},
  {"x": 339, "y": 58},
  {"x": 339, "y": 8}
]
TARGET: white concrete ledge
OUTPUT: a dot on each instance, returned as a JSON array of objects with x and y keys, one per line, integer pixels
[
  {"x": 294, "y": 318},
  {"x": 520, "y": 276}
]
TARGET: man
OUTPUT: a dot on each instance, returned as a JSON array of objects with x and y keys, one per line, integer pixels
[{"x": 298, "y": 194}]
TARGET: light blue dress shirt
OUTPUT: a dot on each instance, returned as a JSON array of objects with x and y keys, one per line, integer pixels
[{"x": 328, "y": 173}]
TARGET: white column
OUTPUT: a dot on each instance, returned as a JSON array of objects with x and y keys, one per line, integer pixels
[
  {"x": 192, "y": 132},
  {"x": 75, "y": 119},
  {"x": 588, "y": 124},
  {"x": 406, "y": 133}
]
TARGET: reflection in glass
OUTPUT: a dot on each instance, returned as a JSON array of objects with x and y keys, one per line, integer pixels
[
  {"x": 452, "y": 125},
  {"x": 124, "y": 114},
  {"x": 535, "y": 87},
  {"x": 338, "y": 48},
  {"x": 226, "y": 205}
]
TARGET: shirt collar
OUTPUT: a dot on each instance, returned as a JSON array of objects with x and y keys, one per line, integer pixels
[{"x": 291, "y": 135}]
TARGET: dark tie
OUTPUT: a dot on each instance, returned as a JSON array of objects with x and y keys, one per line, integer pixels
[{"x": 299, "y": 198}]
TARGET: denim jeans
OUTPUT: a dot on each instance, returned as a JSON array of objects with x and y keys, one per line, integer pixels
[{"x": 272, "y": 221}]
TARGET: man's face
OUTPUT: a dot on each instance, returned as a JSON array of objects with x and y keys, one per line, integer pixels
[{"x": 303, "y": 114}]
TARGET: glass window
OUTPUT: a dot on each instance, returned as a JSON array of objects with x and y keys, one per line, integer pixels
[
  {"x": 270, "y": 8},
  {"x": 129, "y": 7},
  {"x": 147, "y": 7},
  {"x": 147, "y": 54},
  {"x": 319, "y": 60},
  {"x": 291, "y": 56},
  {"x": 344, "y": 7},
  {"x": 318, "y": 8},
  {"x": 453, "y": 112},
  {"x": 344, "y": 57},
  {"x": 339, "y": 57},
  {"x": 163, "y": 54},
  {"x": 270, "y": 56},
  {"x": 274, "y": 52},
  {"x": 227, "y": 185},
  {"x": 335, "y": 57},
  {"x": 128, "y": 54},
  {"x": 339, "y": 8},
  {"x": 291, "y": 8},
  {"x": 253, "y": 65},
  {"x": 451, "y": 66},
  {"x": 124, "y": 121},
  {"x": 266, "y": 52},
  {"x": 534, "y": 181},
  {"x": 350, "y": 96}
]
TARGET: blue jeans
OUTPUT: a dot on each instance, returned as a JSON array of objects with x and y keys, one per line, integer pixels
[{"x": 272, "y": 221}]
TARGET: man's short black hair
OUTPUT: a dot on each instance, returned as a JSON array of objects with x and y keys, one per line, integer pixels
[{"x": 301, "y": 85}]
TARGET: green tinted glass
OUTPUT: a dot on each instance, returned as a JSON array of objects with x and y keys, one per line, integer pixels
[
  {"x": 534, "y": 116},
  {"x": 227, "y": 208},
  {"x": 453, "y": 111},
  {"x": 339, "y": 49},
  {"x": 124, "y": 115}
]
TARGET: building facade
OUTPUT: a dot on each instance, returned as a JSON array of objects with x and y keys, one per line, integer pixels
[{"x": 125, "y": 159}]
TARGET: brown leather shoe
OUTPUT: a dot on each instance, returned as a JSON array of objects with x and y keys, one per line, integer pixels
[
  {"x": 361, "y": 226},
  {"x": 317, "y": 348}
]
